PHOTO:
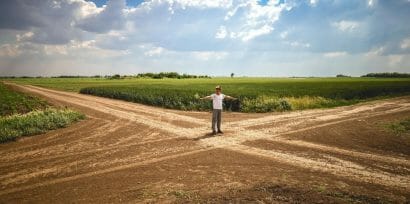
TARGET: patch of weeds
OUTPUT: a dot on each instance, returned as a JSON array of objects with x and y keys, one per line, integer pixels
[
  {"x": 321, "y": 188},
  {"x": 183, "y": 194},
  {"x": 400, "y": 128},
  {"x": 352, "y": 198},
  {"x": 36, "y": 122}
]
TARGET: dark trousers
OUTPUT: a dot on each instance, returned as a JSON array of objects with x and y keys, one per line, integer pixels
[{"x": 216, "y": 119}]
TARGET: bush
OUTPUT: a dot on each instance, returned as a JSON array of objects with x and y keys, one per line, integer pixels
[
  {"x": 263, "y": 104},
  {"x": 36, "y": 122}
]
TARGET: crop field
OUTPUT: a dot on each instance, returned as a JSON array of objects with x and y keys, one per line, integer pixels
[{"x": 254, "y": 94}]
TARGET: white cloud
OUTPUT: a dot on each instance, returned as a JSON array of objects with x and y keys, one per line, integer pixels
[
  {"x": 253, "y": 33},
  {"x": 371, "y": 3},
  {"x": 313, "y": 2},
  {"x": 395, "y": 60},
  {"x": 173, "y": 5},
  {"x": 112, "y": 17},
  {"x": 298, "y": 44},
  {"x": 206, "y": 55},
  {"x": 346, "y": 26},
  {"x": 334, "y": 54},
  {"x": 405, "y": 44},
  {"x": 375, "y": 52},
  {"x": 284, "y": 34},
  {"x": 221, "y": 33},
  {"x": 87, "y": 8},
  {"x": 155, "y": 51},
  {"x": 72, "y": 49},
  {"x": 24, "y": 37},
  {"x": 257, "y": 19},
  {"x": 8, "y": 50},
  {"x": 201, "y": 3}
]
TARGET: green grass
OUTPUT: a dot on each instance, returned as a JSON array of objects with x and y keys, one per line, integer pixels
[
  {"x": 401, "y": 127},
  {"x": 255, "y": 94},
  {"x": 24, "y": 115},
  {"x": 36, "y": 122},
  {"x": 12, "y": 102}
]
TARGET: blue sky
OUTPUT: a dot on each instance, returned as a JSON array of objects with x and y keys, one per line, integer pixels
[{"x": 213, "y": 37}]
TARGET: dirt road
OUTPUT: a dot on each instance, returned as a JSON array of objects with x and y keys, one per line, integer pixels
[{"x": 126, "y": 152}]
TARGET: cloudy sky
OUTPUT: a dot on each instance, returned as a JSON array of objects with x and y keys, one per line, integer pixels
[{"x": 214, "y": 37}]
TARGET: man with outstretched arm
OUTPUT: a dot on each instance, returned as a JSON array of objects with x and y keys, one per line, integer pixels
[{"x": 217, "y": 99}]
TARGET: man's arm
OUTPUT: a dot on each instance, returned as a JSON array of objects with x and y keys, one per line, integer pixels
[
  {"x": 206, "y": 97},
  {"x": 230, "y": 97}
]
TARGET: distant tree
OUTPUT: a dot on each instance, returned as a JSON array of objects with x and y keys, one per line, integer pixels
[
  {"x": 232, "y": 75},
  {"x": 116, "y": 76},
  {"x": 341, "y": 75}
]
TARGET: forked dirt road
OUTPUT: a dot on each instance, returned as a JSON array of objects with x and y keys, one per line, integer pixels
[{"x": 126, "y": 152}]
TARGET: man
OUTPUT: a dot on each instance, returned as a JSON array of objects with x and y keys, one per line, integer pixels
[{"x": 217, "y": 99}]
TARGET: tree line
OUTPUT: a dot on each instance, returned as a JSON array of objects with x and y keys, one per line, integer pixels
[{"x": 388, "y": 75}]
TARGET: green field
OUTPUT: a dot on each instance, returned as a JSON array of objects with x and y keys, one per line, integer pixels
[
  {"x": 255, "y": 94},
  {"x": 24, "y": 115}
]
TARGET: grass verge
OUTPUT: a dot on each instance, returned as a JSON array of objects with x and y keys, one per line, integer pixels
[{"x": 36, "y": 122}]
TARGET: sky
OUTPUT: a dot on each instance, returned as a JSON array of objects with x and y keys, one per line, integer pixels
[{"x": 212, "y": 37}]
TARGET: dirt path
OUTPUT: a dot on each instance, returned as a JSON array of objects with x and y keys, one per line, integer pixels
[{"x": 136, "y": 153}]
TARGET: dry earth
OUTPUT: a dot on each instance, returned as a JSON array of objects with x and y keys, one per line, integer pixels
[{"x": 126, "y": 152}]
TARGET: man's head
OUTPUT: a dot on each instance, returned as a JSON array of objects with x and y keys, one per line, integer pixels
[{"x": 218, "y": 89}]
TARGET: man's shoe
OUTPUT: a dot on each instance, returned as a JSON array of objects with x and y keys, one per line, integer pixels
[
  {"x": 220, "y": 131},
  {"x": 213, "y": 132}
]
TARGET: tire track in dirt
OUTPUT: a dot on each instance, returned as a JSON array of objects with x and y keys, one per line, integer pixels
[
  {"x": 332, "y": 165},
  {"x": 16, "y": 154},
  {"x": 99, "y": 172},
  {"x": 95, "y": 162},
  {"x": 351, "y": 153},
  {"x": 243, "y": 135},
  {"x": 323, "y": 115},
  {"x": 82, "y": 152}
]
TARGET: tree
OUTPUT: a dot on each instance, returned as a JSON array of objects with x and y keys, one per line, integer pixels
[
  {"x": 341, "y": 75},
  {"x": 232, "y": 74}
]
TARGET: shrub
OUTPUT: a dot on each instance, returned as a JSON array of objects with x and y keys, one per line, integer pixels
[
  {"x": 36, "y": 122},
  {"x": 263, "y": 104}
]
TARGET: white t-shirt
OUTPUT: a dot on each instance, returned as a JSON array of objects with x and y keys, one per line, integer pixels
[{"x": 217, "y": 101}]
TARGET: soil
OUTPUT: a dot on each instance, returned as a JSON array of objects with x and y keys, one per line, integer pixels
[{"x": 127, "y": 152}]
